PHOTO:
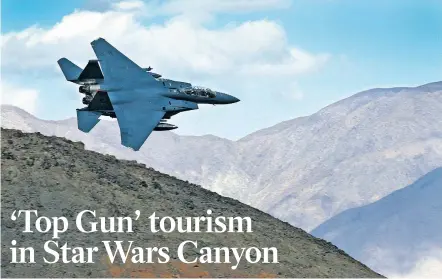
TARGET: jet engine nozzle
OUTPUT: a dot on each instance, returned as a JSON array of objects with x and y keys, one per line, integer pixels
[
  {"x": 86, "y": 100},
  {"x": 89, "y": 89}
]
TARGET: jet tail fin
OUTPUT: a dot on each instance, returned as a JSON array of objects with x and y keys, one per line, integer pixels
[
  {"x": 91, "y": 71},
  {"x": 70, "y": 70},
  {"x": 87, "y": 120}
]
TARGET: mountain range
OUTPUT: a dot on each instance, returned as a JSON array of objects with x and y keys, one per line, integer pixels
[
  {"x": 305, "y": 170},
  {"x": 398, "y": 234}
]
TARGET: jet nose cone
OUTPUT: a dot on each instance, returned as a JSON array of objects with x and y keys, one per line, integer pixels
[
  {"x": 235, "y": 100},
  {"x": 231, "y": 99},
  {"x": 223, "y": 98}
]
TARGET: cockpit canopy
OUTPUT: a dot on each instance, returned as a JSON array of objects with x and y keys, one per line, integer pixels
[{"x": 198, "y": 91}]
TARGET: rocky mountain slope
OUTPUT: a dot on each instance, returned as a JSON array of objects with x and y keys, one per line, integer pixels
[
  {"x": 396, "y": 234},
  {"x": 60, "y": 178},
  {"x": 304, "y": 170}
]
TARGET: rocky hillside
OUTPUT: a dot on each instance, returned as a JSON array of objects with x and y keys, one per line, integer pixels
[
  {"x": 59, "y": 178},
  {"x": 304, "y": 170},
  {"x": 397, "y": 234}
]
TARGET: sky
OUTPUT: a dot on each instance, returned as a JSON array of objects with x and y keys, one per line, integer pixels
[{"x": 283, "y": 58}]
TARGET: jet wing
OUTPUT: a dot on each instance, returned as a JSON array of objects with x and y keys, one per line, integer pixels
[
  {"x": 136, "y": 120},
  {"x": 116, "y": 66}
]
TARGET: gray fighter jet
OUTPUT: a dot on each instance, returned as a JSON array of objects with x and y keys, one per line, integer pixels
[{"x": 141, "y": 100}]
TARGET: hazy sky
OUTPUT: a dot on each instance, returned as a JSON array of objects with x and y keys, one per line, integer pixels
[{"x": 282, "y": 58}]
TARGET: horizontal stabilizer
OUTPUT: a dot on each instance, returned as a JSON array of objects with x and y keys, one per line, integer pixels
[
  {"x": 87, "y": 120},
  {"x": 70, "y": 70}
]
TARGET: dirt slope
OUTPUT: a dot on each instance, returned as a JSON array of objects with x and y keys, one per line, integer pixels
[{"x": 59, "y": 178}]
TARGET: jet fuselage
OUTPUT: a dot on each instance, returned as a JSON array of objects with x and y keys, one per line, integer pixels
[{"x": 174, "y": 99}]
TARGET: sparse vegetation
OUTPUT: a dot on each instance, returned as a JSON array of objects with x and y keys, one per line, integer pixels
[{"x": 64, "y": 179}]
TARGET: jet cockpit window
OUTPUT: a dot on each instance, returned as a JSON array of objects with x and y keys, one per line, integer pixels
[{"x": 199, "y": 91}]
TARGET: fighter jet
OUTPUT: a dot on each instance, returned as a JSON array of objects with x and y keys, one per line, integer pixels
[{"x": 141, "y": 100}]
